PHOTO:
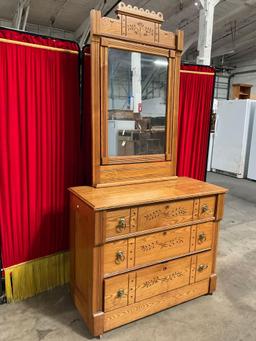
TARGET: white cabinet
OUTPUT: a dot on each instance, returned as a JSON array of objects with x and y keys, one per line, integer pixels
[
  {"x": 252, "y": 154},
  {"x": 233, "y": 136}
]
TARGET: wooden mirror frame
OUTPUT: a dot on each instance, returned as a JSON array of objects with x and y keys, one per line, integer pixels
[{"x": 140, "y": 31}]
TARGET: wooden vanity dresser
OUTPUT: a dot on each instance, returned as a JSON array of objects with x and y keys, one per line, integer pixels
[{"x": 141, "y": 238}]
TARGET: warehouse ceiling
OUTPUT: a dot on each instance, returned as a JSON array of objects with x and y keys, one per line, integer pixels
[{"x": 234, "y": 34}]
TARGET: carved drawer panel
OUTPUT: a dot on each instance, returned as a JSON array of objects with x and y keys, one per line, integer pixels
[
  {"x": 142, "y": 284},
  {"x": 207, "y": 207},
  {"x": 164, "y": 214},
  {"x": 161, "y": 278},
  {"x": 162, "y": 245}
]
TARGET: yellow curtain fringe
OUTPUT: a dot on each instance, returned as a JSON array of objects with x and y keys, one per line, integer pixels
[{"x": 33, "y": 277}]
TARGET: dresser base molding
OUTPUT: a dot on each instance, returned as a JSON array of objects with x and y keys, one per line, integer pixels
[
  {"x": 153, "y": 305},
  {"x": 101, "y": 322}
]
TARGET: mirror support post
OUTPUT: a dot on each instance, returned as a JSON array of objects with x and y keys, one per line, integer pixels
[{"x": 136, "y": 81}]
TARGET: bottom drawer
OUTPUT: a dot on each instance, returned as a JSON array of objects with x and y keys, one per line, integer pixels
[{"x": 133, "y": 287}]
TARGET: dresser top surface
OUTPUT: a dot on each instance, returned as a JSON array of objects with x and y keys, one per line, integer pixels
[{"x": 138, "y": 194}]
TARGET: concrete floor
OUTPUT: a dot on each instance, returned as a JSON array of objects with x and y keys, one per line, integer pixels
[{"x": 228, "y": 315}]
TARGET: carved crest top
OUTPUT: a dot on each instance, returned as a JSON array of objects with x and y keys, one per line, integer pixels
[{"x": 139, "y": 12}]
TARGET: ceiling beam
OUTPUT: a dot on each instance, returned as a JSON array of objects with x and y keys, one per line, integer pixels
[
  {"x": 240, "y": 42},
  {"x": 217, "y": 23},
  {"x": 21, "y": 14},
  {"x": 60, "y": 4}
]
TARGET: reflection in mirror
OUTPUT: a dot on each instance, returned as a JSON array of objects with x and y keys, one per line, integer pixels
[{"x": 137, "y": 87}]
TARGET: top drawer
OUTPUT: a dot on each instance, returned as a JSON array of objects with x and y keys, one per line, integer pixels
[{"x": 124, "y": 221}]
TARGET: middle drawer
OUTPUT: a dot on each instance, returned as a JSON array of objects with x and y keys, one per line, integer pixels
[{"x": 147, "y": 249}]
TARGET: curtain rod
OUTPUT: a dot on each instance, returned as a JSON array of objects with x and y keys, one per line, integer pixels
[
  {"x": 37, "y": 46},
  {"x": 198, "y": 72}
]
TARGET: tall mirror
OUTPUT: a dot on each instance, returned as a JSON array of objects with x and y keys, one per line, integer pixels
[{"x": 137, "y": 92}]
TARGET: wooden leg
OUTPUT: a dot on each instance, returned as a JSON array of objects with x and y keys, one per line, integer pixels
[{"x": 212, "y": 284}]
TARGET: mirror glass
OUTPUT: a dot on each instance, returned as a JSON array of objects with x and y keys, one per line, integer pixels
[{"x": 137, "y": 90}]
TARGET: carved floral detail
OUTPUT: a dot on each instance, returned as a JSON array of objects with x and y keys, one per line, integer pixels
[
  {"x": 157, "y": 244},
  {"x": 157, "y": 279},
  {"x": 175, "y": 212},
  {"x": 153, "y": 215},
  {"x": 140, "y": 29}
]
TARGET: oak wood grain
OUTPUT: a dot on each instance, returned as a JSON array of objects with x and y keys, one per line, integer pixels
[
  {"x": 165, "y": 214},
  {"x": 162, "y": 245},
  {"x": 204, "y": 260},
  {"x": 204, "y": 236},
  {"x": 138, "y": 194},
  {"x": 152, "y": 305},
  {"x": 207, "y": 207},
  {"x": 113, "y": 220},
  {"x": 110, "y": 256},
  {"x": 161, "y": 278},
  {"x": 142, "y": 239},
  {"x": 116, "y": 292},
  {"x": 140, "y": 31}
]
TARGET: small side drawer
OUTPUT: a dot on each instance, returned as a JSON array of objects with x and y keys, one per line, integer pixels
[
  {"x": 207, "y": 207},
  {"x": 115, "y": 256},
  {"x": 117, "y": 222},
  {"x": 166, "y": 214},
  {"x": 203, "y": 265},
  {"x": 204, "y": 236},
  {"x": 116, "y": 292}
]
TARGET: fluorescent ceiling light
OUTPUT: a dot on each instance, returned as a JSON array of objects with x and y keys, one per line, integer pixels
[{"x": 161, "y": 62}]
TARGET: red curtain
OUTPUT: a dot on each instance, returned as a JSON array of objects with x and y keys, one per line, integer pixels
[
  {"x": 39, "y": 141},
  {"x": 196, "y": 92}
]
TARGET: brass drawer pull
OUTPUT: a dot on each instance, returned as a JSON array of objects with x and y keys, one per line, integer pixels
[
  {"x": 120, "y": 257},
  {"x": 120, "y": 293},
  {"x": 204, "y": 208},
  {"x": 121, "y": 225},
  {"x": 201, "y": 238},
  {"x": 202, "y": 267}
]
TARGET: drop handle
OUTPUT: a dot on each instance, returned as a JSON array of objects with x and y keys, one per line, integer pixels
[
  {"x": 204, "y": 208},
  {"x": 120, "y": 257},
  {"x": 202, "y": 267},
  {"x": 121, "y": 225},
  {"x": 120, "y": 293},
  {"x": 201, "y": 238}
]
